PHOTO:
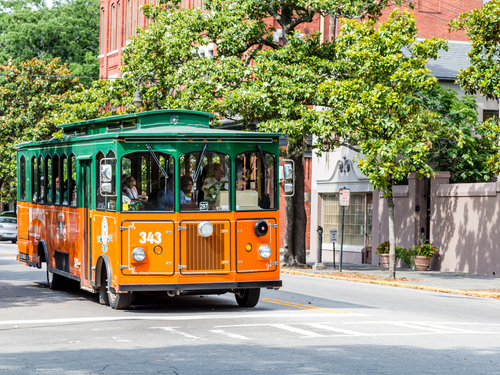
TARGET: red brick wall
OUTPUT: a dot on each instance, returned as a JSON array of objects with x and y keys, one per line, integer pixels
[{"x": 432, "y": 17}]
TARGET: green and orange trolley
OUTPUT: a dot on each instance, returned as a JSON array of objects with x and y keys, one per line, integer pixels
[{"x": 153, "y": 201}]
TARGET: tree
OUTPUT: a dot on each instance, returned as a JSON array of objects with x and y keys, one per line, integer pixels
[
  {"x": 68, "y": 30},
  {"x": 482, "y": 26},
  {"x": 30, "y": 107},
  {"x": 252, "y": 77},
  {"x": 384, "y": 104}
]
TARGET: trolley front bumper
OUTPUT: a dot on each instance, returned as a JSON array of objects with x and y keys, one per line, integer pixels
[{"x": 200, "y": 287}]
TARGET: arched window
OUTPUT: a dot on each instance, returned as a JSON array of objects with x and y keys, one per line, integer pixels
[
  {"x": 72, "y": 181},
  {"x": 63, "y": 181},
  {"x": 22, "y": 180},
  {"x": 100, "y": 200},
  {"x": 106, "y": 191},
  {"x": 56, "y": 194},
  {"x": 34, "y": 179},
  {"x": 48, "y": 181},
  {"x": 41, "y": 180}
]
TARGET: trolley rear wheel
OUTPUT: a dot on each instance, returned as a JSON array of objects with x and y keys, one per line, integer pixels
[
  {"x": 247, "y": 297},
  {"x": 54, "y": 280}
]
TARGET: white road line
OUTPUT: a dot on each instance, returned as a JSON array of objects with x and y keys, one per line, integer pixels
[
  {"x": 277, "y": 314},
  {"x": 335, "y": 329},
  {"x": 173, "y": 330},
  {"x": 297, "y": 330},
  {"x": 232, "y": 335},
  {"x": 420, "y": 327},
  {"x": 461, "y": 330}
]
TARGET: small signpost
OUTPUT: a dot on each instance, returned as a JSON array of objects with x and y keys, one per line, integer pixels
[
  {"x": 333, "y": 240},
  {"x": 344, "y": 198}
]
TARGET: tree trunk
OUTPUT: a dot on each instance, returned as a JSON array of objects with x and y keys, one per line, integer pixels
[
  {"x": 392, "y": 236},
  {"x": 296, "y": 219}
]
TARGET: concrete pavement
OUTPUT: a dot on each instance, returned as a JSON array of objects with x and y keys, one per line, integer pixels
[{"x": 443, "y": 282}]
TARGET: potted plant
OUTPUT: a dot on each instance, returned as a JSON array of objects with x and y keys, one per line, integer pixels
[
  {"x": 423, "y": 255},
  {"x": 407, "y": 256},
  {"x": 383, "y": 252}
]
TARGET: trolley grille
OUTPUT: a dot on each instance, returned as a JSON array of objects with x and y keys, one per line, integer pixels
[{"x": 206, "y": 254}]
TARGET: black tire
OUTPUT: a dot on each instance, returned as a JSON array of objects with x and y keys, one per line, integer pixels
[
  {"x": 120, "y": 301},
  {"x": 247, "y": 297},
  {"x": 14, "y": 241},
  {"x": 54, "y": 281},
  {"x": 103, "y": 290}
]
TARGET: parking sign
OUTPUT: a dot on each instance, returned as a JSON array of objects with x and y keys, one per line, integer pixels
[{"x": 344, "y": 196}]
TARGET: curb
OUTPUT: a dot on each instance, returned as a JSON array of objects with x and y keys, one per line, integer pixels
[{"x": 397, "y": 284}]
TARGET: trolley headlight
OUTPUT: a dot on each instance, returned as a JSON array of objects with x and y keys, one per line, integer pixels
[
  {"x": 205, "y": 229},
  {"x": 265, "y": 251},
  {"x": 139, "y": 254}
]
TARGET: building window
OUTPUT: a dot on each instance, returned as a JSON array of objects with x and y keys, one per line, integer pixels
[
  {"x": 139, "y": 24},
  {"x": 134, "y": 13},
  {"x": 102, "y": 31},
  {"x": 488, "y": 113},
  {"x": 117, "y": 25},
  {"x": 355, "y": 225},
  {"x": 113, "y": 27},
  {"x": 127, "y": 20}
]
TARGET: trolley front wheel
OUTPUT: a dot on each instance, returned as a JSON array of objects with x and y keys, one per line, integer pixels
[
  {"x": 119, "y": 301},
  {"x": 247, "y": 297}
]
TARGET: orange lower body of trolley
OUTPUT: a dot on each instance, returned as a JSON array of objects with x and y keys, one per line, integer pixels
[{"x": 118, "y": 254}]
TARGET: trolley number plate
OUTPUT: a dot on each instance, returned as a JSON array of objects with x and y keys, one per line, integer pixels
[{"x": 150, "y": 237}]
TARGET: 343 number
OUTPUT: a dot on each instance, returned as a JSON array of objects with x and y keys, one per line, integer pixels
[{"x": 150, "y": 237}]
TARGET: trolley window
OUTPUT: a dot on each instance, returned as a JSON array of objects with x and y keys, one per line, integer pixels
[
  {"x": 204, "y": 181},
  {"x": 23, "y": 179},
  {"x": 255, "y": 181},
  {"x": 144, "y": 186}
]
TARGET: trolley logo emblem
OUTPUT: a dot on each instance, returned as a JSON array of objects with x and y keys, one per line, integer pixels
[
  {"x": 61, "y": 232},
  {"x": 104, "y": 239}
]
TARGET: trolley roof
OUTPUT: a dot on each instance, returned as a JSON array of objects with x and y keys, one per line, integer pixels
[{"x": 160, "y": 124}]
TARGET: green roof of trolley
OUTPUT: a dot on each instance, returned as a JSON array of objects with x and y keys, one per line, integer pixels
[{"x": 169, "y": 124}]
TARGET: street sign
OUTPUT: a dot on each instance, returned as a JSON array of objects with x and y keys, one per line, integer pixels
[
  {"x": 344, "y": 197},
  {"x": 333, "y": 235}
]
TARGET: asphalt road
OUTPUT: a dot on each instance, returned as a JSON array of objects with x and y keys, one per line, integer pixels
[{"x": 310, "y": 326}]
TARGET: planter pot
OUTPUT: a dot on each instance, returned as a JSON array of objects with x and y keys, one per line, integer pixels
[
  {"x": 422, "y": 263},
  {"x": 384, "y": 260}
]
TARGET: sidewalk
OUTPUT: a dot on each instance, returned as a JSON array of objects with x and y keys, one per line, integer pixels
[{"x": 443, "y": 282}]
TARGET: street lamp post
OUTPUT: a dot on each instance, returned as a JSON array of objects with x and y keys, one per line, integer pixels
[{"x": 148, "y": 79}]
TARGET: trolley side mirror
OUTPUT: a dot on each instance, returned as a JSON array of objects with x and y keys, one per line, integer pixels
[
  {"x": 287, "y": 177},
  {"x": 106, "y": 174},
  {"x": 107, "y": 185}
]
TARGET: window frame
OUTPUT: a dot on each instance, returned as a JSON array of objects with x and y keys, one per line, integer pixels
[
  {"x": 274, "y": 189},
  {"x": 230, "y": 163},
  {"x": 149, "y": 176}
]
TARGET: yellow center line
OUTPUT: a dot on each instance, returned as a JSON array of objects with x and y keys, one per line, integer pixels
[{"x": 301, "y": 306}]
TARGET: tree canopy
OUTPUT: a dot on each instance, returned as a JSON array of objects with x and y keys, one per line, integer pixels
[
  {"x": 30, "y": 107},
  {"x": 66, "y": 30}
]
